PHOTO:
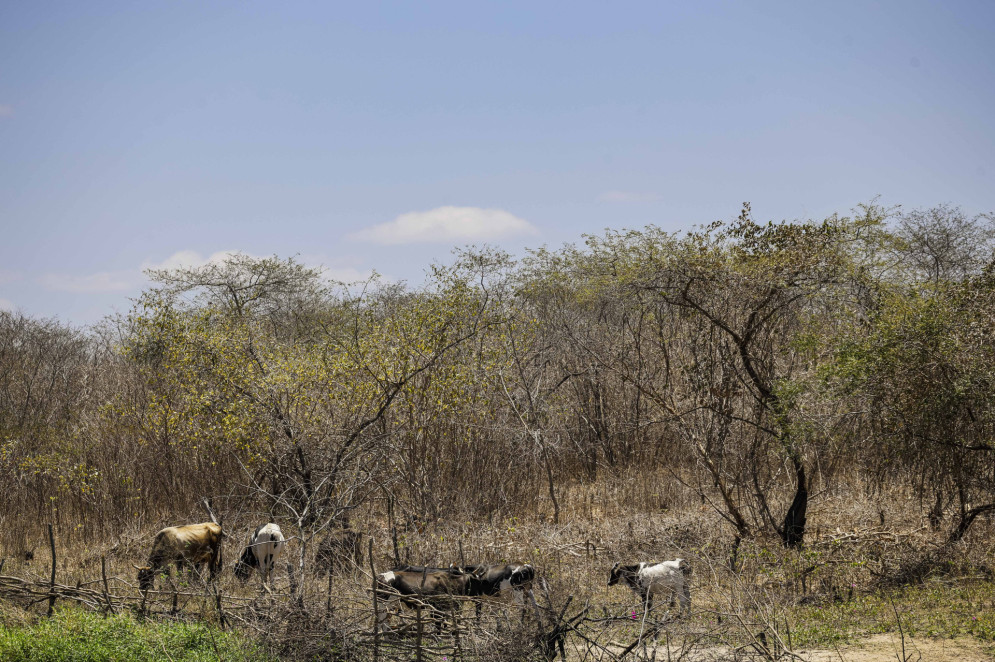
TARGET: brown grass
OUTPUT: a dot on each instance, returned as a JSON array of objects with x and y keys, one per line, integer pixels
[{"x": 848, "y": 554}]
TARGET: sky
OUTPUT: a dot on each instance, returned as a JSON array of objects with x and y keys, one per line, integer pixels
[{"x": 368, "y": 136}]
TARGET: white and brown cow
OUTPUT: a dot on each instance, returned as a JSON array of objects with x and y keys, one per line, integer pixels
[{"x": 195, "y": 544}]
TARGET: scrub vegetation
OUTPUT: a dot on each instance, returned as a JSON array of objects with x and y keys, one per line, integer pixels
[{"x": 803, "y": 410}]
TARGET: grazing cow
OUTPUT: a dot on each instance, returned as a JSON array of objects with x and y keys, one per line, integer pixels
[
  {"x": 500, "y": 580},
  {"x": 194, "y": 543},
  {"x": 264, "y": 549},
  {"x": 434, "y": 587},
  {"x": 648, "y": 579},
  {"x": 338, "y": 548}
]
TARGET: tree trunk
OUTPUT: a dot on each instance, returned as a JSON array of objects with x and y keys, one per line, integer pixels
[
  {"x": 793, "y": 531},
  {"x": 967, "y": 518}
]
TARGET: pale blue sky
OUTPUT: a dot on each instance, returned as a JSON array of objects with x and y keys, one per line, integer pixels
[{"x": 135, "y": 134}]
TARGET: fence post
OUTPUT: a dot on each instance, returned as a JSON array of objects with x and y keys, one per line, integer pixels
[
  {"x": 376, "y": 608},
  {"x": 458, "y": 646},
  {"x": 222, "y": 621},
  {"x": 420, "y": 630},
  {"x": 328, "y": 594},
  {"x": 107, "y": 592},
  {"x": 51, "y": 599}
]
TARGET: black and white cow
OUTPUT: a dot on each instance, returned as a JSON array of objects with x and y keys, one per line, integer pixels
[
  {"x": 649, "y": 579},
  {"x": 501, "y": 580},
  {"x": 263, "y": 551}
]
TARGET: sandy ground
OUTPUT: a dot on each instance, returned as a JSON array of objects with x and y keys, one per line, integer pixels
[
  {"x": 878, "y": 648},
  {"x": 882, "y": 647}
]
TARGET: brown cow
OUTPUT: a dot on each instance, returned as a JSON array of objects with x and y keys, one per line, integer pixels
[
  {"x": 434, "y": 587},
  {"x": 194, "y": 543}
]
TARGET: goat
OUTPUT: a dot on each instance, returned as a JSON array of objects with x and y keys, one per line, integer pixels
[
  {"x": 194, "y": 543},
  {"x": 264, "y": 549},
  {"x": 648, "y": 579}
]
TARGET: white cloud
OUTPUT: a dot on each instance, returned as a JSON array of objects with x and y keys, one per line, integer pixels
[
  {"x": 448, "y": 225},
  {"x": 104, "y": 281},
  {"x": 188, "y": 259},
  {"x": 6, "y": 110},
  {"x": 7, "y": 304},
  {"x": 627, "y": 196},
  {"x": 340, "y": 269}
]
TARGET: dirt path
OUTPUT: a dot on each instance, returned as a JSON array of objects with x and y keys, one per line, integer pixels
[
  {"x": 877, "y": 648},
  {"x": 888, "y": 648}
]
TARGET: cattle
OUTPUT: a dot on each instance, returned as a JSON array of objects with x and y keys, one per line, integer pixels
[
  {"x": 337, "y": 549},
  {"x": 501, "y": 580},
  {"x": 648, "y": 579},
  {"x": 434, "y": 587},
  {"x": 195, "y": 544},
  {"x": 265, "y": 548},
  {"x": 498, "y": 579}
]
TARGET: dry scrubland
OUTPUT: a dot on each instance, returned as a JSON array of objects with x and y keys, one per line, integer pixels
[
  {"x": 856, "y": 591},
  {"x": 804, "y": 411}
]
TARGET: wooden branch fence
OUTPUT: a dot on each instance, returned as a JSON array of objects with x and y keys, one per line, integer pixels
[{"x": 405, "y": 633}]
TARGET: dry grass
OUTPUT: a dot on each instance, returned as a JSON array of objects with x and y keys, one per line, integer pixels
[{"x": 835, "y": 591}]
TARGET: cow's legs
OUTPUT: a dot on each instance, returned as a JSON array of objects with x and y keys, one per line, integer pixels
[
  {"x": 384, "y": 613},
  {"x": 267, "y": 574},
  {"x": 267, "y": 571},
  {"x": 519, "y": 600},
  {"x": 685, "y": 599}
]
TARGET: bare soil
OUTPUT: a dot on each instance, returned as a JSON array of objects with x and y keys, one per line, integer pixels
[{"x": 888, "y": 647}]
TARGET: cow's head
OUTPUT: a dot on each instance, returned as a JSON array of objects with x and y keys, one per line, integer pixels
[
  {"x": 613, "y": 576},
  {"x": 622, "y": 573},
  {"x": 146, "y": 577},
  {"x": 522, "y": 575},
  {"x": 243, "y": 567},
  {"x": 241, "y": 571}
]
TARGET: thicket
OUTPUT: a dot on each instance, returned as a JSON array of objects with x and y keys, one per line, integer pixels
[{"x": 752, "y": 363}]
